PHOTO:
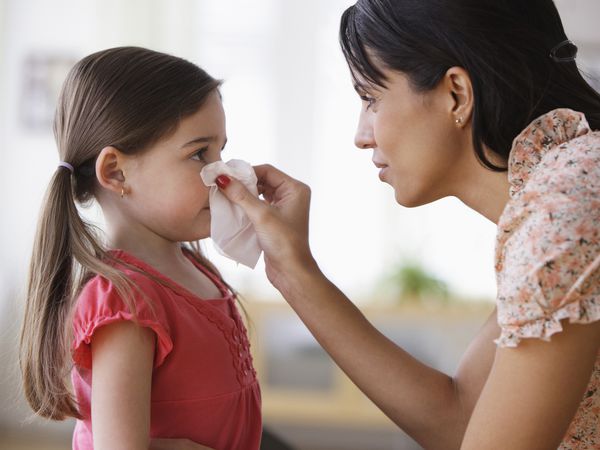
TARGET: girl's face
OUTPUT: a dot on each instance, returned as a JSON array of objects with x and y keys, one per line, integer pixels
[
  {"x": 163, "y": 186},
  {"x": 414, "y": 137}
]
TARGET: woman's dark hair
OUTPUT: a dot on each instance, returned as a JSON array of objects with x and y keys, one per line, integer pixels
[
  {"x": 504, "y": 45},
  {"x": 128, "y": 98}
]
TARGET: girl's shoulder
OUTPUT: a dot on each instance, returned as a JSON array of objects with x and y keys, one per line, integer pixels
[
  {"x": 141, "y": 289},
  {"x": 101, "y": 302}
]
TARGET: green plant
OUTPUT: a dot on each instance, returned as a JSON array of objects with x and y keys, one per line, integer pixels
[{"x": 409, "y": 280}]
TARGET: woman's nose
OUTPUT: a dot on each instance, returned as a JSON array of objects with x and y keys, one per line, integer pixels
[{"x": 364, "y": 137}]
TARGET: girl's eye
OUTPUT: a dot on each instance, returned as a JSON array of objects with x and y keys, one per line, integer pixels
[
  {"x": 370, "y": 100},
  {"x": 199, "y": 155}
]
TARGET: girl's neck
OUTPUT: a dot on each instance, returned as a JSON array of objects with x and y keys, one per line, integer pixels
[{"x": 154, "y": 250}]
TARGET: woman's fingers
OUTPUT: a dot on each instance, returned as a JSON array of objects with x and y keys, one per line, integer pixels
[
  {"x": 270, "y": 176},
  {"x": 289, "y": 197},
  {"x": 237, "y": 193},
  {"x": 281, "y": 223}
]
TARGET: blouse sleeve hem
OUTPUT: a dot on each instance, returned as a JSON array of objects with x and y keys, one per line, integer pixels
[
  {"x": 581, "y": 311},
  {"x": 81, "y": 350}
]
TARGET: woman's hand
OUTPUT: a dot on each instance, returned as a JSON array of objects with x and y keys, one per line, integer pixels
[
  {"x": 281, "y": 222},
  {"x": 175, "y": 444}
]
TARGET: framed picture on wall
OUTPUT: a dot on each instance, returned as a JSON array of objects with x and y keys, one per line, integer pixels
[{"x": 42, "y": 75}]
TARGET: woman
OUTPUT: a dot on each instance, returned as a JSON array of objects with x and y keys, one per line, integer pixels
[{"x": 482, "y": 100}]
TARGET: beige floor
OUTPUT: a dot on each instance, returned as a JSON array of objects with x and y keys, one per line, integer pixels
[{"x": 28, "y": 443}]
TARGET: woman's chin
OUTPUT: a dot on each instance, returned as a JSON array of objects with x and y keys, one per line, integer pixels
[{"x": 409, "y": 199}]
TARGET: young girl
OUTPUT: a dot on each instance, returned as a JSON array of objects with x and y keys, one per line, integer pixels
[{"x": 146, "y": 326}]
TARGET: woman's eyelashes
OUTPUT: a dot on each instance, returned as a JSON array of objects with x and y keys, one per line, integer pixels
[{"x": 370, "y": 100}]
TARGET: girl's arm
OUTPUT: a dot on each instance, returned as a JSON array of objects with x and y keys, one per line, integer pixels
[
  {"x": 122, "y": 359},
  {"x": 534, "y": 390}
]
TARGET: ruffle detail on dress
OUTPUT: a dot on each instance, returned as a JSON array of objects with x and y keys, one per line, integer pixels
[
  {"x": 580, "y": 311},
  {"x": 547, "y": 131},
  {"x": 81, "y": 346}
]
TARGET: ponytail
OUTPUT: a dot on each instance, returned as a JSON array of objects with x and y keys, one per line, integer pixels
[{"x": 65, "y": 254}]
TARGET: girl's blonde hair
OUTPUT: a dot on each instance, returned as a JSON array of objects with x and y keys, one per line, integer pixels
[{"x": 128, "y": 98}]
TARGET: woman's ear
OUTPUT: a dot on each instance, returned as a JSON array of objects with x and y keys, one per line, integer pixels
[
  {"x": 458, "y": 84},
  {"x": 110, "y": 170}
]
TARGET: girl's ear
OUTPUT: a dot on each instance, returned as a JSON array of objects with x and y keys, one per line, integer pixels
[
  {"x": 458, "y": 84},
  {"x": 110, "y": 170}
]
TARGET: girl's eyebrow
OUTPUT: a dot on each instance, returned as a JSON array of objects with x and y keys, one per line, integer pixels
[
  {"x": 203, "y": 139},
  {"x": 199, "y": 140}
]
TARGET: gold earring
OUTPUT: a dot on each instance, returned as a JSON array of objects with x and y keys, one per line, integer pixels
[
  {"x": 458, "y": 121},
  {"x": 123, "y": 185}
]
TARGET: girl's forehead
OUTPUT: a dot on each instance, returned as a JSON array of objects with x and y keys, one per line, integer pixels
[{"x": 206, "y": 125}]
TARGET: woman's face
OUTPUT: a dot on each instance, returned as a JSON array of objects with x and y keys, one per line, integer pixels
[{"x": 416, "y": 141}]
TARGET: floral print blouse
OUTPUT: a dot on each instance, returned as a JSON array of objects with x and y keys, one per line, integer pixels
[{"x": 548, "y": 245}]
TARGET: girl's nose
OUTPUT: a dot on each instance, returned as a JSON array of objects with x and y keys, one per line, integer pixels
[{"x": 364, "y": 137}]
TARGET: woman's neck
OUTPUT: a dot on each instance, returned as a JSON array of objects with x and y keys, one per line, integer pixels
[
  {"x": 480, "y": 188},
  {"x": 486, "y": 192}
]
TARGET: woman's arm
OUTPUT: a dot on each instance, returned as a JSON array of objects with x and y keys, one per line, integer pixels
[
  {"x": 432, "y": 407},
  {"x": 534, "y": 390},
  {"x": 122, "y": 358}
]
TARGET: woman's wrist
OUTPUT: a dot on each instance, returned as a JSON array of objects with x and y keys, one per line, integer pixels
[{"x": 296, "y": 280}]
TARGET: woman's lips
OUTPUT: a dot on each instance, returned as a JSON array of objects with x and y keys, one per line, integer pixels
[
  {"x": 383, "y": 168},
  {"x": 382, "y": 173}
]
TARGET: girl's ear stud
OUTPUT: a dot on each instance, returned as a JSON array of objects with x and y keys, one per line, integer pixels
[{"x": 458, "y": 120}]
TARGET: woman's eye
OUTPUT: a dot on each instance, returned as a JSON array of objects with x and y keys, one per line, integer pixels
[
  {"x": 370, "y": 100},
  {"x": 199, "y": 155}
]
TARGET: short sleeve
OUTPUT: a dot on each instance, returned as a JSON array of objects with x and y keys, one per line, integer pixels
[
  {"x": 100, "y": 304},
  {"x": 548, "y": 253}
]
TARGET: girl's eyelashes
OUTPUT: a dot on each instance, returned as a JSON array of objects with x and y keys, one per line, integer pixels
[{"x": 199, "y": 155}]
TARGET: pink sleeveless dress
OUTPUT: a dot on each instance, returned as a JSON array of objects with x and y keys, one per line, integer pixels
[{"x": 204, "y": 386}]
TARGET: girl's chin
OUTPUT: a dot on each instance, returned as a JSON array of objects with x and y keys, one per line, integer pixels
[{"x": 199, "y": 233}]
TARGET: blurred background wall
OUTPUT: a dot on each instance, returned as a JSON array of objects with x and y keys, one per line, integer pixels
[{"x": 289, "y": 101}]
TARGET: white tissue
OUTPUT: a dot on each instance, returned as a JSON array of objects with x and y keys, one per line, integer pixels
[{"x": 231, "y": 231}]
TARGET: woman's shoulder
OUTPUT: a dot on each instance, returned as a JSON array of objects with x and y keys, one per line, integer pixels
[
  {"x": 548, "y": 244},
  {"x": 554, "y": 176},
  {"x": 558, "y": 152}
]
